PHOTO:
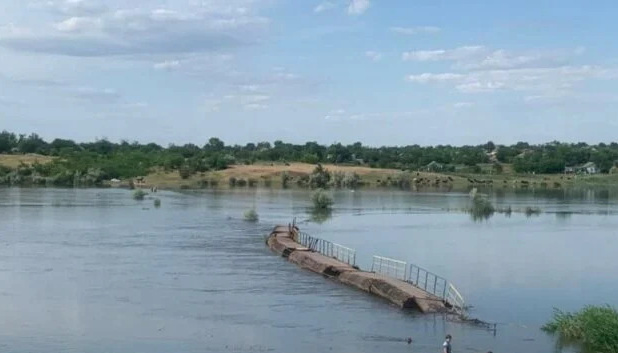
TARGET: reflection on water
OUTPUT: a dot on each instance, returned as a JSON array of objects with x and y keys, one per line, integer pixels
[
  {"x": 321, "y": 215},
  {"x": 93, "y": 270}
]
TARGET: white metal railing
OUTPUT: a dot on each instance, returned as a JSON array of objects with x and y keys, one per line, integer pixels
[
  {"x": 420, "y": 278},
  {"x": 415, "y": 275},
  {"x": 436, "y": 285},
  {"x": 389, "y": 267},
  {"x": 326, "y": 248},
  {"x": 454, "y": 298}
]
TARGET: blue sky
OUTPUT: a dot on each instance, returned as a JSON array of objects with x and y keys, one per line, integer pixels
[{"x": 380, "y": 72}]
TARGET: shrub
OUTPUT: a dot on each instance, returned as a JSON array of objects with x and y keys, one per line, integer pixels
[
  {"x": 252, "y": 182},
  {"x": 402, "y": 180},
  {"x": 139, "y": 194},
  {"x": 157, "y": 203},
  {"x": 320, "y": 177},
  {"x": 241, "y": 182},
  {"x": 596, "y": 328},
  {"x": 531, "y": 211},
  {"x": 481, "y": 207},
  {"x": 251, "y": 215},
  {"x": 285, "y": 178},
  {"x": 351, "y": 180},
  {"x": 338, "y": 179},
  {"x": 185, "y": 171},
  {"x": 321, "y": 200},
  {"x": 233, "y": 181}
]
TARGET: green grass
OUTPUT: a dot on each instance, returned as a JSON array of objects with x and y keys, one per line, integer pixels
[{"x": 594, "y": 327}]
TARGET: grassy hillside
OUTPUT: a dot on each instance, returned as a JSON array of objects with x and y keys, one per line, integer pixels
[{"x": 14, "y": 160}]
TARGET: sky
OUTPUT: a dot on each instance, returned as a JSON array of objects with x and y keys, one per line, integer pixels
[{"x": 382, "y": 72}]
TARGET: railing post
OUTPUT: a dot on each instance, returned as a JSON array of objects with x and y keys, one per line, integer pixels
[
  {"x": 435, "y": 283},
  {"x": 418, "y": 274}
]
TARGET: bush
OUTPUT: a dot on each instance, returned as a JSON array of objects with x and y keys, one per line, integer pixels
[
  {"x": 241, "y": 182},
  {"x": 596, "y": 328},
  {"x": 351, "y": 180},
  {"x": 338, "y": 179},
  {"x": 252, "y": 182},
  {"x": 157, "y": 203},
  {"x": 481, "y": 207},
  {"x": 139, "y": 194},
  {"x": 531, "y": 211},
  {"x": 320, "y": 178},
  {"x": 321, "y": 200},
  {"x": 285, "y": 179},
  {"x": 251, "y": 216},
  {"x": 402, "y": 180},
  {"x": 185, "y": 171},
  {"x": 233, "y": 181}
]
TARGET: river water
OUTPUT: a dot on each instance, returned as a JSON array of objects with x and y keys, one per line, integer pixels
[{"x": 95, "y": 271}]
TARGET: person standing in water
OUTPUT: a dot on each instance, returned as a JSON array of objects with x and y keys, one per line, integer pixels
[{"x": 446, "y": 347}]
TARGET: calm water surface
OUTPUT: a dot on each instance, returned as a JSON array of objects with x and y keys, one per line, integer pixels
[{"x": 95, "y": 271}]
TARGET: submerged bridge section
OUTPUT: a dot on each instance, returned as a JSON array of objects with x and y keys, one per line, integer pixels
[{"x": 406, "y": 286}]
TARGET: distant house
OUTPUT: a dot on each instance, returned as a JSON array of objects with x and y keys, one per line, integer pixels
[
  {"x": 588, "y": 168},
  {"x": 524, "y": 153},
  {"x": 434, "y": 167},
  {"x": 493, "y": 156}
]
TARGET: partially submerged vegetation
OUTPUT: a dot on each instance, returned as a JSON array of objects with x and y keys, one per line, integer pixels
[
  {"x": 251, "y": 215},
  {"x": 321, "y": 200},
  {"x": 481, "y": 208},
  {"x": 595, "y": 328},
  {"x": 139, "y": 194}
]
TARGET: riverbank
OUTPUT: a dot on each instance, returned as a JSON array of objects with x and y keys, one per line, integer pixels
[
  {"x": 296, "y": 174},
  {"x": 271, "y": 175}
]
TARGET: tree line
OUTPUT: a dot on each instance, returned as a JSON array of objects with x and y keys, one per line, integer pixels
[{"x": 103, "y": 159}]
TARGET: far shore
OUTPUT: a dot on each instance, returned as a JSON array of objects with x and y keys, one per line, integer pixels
[{"x": 270, "y": 175}]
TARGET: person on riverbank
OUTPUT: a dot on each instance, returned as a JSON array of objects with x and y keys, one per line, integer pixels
[{"x": 446, "y": 347}]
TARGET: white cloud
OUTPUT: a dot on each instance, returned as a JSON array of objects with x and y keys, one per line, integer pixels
[
  {"x": 141, "y": 30},
  {"x": 415, "y": 30},
  {"x": 96, "y": 95},
  {"x": 358, "y": 7},
  {"x": 71, "y": 7},
  {"x": 79, "y": 24},
  {"x": 255, "y": 98},
  {"x": 249, "y": 88},
  {"x": 167, "y": 65},
  {"x": 456, "y": 54},
  {"x": 480, "y": 86},
  {"x": 482, "y": 58},
  {"x": 255, "y": 106},
  {"x": 462, "y": 105},
  {"x": 429, "y": 77},
  {"x": 547, "y": 81},
  {"x": 373, "y": 55},
  {"x": 325, "y": 6}
]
